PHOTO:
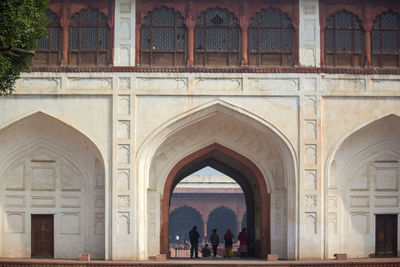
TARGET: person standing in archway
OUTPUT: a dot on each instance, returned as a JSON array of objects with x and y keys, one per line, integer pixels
[
  {"x": 228, "y": 237},
  {"x": 214, "y": 238},
  {"x": 243, "y": 238},
  {"x": 194, "y": 242}
]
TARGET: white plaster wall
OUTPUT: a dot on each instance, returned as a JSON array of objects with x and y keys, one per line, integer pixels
[{"x": 123, "y": 112}]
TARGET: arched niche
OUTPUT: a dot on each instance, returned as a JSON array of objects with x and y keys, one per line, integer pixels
[
  {"x": 362, "y": 181},
  {"x": 48, "y": 167}
]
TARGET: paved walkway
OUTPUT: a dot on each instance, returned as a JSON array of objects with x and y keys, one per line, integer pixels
[{"x": 207, "y": 262}]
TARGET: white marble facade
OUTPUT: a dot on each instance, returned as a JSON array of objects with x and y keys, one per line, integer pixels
[{"x": 95, "y": 149}]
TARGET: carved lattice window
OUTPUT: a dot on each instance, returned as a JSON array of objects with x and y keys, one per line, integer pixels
[
  {"x": 49, "y": 49},
  {"x": 89, "y": 38},
  {"x": 344, "y": 40},
  {"x": 163, "y": 38},
  {"x": 217, "y": 38},
  {"x": 271, "y": 38},
  {"x": 385, "y": 40}
]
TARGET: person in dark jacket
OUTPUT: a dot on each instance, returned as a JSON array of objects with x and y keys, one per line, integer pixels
[
  {"x": 214, "y": 238},
  {"x": 194, "y": 242}
]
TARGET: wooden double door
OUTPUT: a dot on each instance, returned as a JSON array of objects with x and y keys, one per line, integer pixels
[
  {"x": 386, "y": 235},
  {"x": 42, "y": 238}
]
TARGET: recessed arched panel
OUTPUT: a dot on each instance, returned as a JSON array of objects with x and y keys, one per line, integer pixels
[
  {"x": 49, "y": 168},
  {"x": 363, "y": 181}
]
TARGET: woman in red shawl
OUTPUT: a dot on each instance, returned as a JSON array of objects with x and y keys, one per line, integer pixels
[
  {"x": 228, "y": 237},
  {"x": 243, "y": 238}
]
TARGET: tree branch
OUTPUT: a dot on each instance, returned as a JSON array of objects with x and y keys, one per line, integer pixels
[{"x": 16, "y": 51}]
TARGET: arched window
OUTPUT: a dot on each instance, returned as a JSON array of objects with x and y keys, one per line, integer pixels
[
  {"x": 48, "y": 50},
  {"x": 385, "y": 40},
  {"x": 271, "y": 39},
  {"x": 163, "y": 38},
  {"x": 217, "y": 38},
  {"x": 89, "y": 38},
  {"x": 344, "y": 40}
]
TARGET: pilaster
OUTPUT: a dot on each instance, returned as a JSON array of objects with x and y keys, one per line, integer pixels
[
  {"x": 310, "y": 185},
  {"x": 124, "y": 30},
  {"x": 123, "y": 217},
  {"x": 309, "y": 37}
]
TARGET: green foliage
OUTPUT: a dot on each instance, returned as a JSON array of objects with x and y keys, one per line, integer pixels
[{"x": 22, "y": 23}]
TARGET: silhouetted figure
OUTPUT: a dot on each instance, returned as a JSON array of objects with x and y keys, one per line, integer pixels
[
  {"x": 214, "y": 238},
  {"x": 228, "y": 237},
  {"x": 206, "y": 251},
  {"x": 243, "y": 238},
  {"x": 194, "y": 242}
]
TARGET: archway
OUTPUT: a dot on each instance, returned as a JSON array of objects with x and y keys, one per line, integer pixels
[
  {"x": 361, "y": 183},
  {"x": 49, "y": 168},
  {"x": 182, "y": 220},
  {"x": 237, "y": 143},
  {"x": 245, "y": 173},
  {"x": 223, "y": 218}
]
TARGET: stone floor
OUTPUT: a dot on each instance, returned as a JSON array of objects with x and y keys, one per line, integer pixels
[{"x": 392, "y": 262}]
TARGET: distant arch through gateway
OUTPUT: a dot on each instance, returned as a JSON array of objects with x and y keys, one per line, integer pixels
[{"x": 223, "y": 218}]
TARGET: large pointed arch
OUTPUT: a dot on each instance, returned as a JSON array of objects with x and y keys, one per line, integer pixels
[{"x": 232, "y": 127}]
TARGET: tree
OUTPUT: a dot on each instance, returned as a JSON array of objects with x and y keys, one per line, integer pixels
[{"x": 22, "y": 23}]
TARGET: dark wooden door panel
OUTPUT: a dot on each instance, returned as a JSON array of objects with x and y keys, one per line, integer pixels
[
  {"x": 386, "y": 235},
  {"x": 42, "y": 237}
]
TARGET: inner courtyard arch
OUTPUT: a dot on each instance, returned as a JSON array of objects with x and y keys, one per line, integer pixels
[
  {"x": 223, "y": 218},
  {"x": 238, "y": 144},
  {"x": 182, "y": 220}
]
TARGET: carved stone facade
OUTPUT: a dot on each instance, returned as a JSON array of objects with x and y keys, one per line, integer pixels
[{"x": 315, "y": 150}]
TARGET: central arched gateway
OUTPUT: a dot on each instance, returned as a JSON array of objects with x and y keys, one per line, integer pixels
[
  {"x": 235, "y": 142},
  {"x": 245, "y": 173}
]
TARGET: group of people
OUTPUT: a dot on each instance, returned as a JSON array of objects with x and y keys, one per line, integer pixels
[{"x": 214, "y": 239}]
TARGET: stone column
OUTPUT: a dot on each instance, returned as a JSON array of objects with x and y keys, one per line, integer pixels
[
  {"x": 368, "y": 30},
  {"x": 64, "y": 21},
  {"x": 244, "y": 26},
  {"x": 190, "y": 24}
]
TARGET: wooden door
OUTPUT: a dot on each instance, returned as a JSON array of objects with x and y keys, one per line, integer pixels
[
  {"x": 386, "y": 235},
  {"x": 42, "y": 236}
]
